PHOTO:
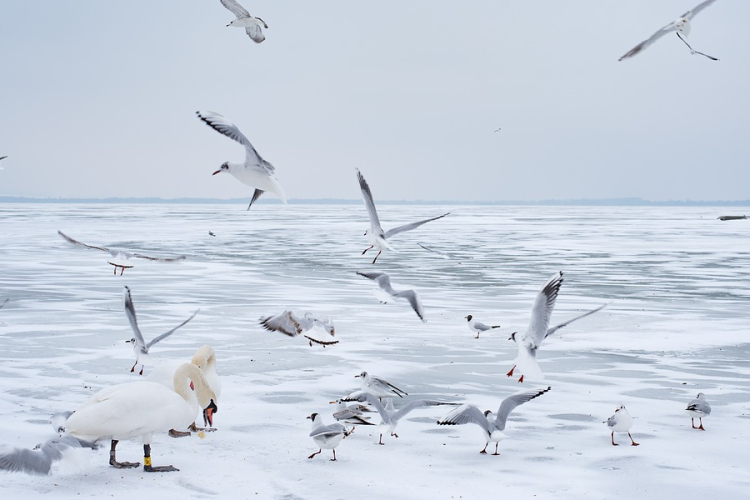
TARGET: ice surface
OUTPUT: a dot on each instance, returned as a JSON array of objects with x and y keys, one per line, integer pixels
[{"x": 677, "y": 280}]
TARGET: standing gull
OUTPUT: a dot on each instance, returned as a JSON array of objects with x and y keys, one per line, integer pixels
[
  {"x": 327, "y": 436},
  {"x": 255, "y": 171},
  {"x": 492, "y": 425},
  {"x": 120, "y": 258},
  {"x": 539, "y": 329},
  {"x": 621, "y": 421},
  {"x": 140, "y": 347},
  {"x": 376, "y": 234},
  {"x": 388, "y": 414},
  {"x": 292, "y": 325},
  {"x": 384, "y": 282},
  {"x": 245, "y": 20},
  {"x": 478, "y": 327},
  {"x": 681, "y": 26},
  {"x": 698, "y": 408}
]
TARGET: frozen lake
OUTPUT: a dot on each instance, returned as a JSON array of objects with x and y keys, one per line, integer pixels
[{"x": 676, "y": 279}]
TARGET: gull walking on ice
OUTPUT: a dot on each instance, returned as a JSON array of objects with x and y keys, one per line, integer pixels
[
  {"x": 293, "y": 325},
  {"x": 378, "y": 237},
  {"x": 681, "y": 26},
  {"x": 478, "y": 327},
  {"x": 388, "y": 414},
  {"x": 539, "y": 329},
  {"x": 251, "y": 24},
  {"x": 698, "y": 408},
  {"x": 255, "y": 171},
  {"x": 621, "y": 421},
  {"x": 327, "y": 436},
  {"x": 384, "y": 282},
  {"x": 120, "y": 258},
  {"x": 493, "y": 425},
  {"x": 140, "y": 347}
]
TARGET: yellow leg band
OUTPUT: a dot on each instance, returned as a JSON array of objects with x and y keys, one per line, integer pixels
[{"x": 147, "y": 461}]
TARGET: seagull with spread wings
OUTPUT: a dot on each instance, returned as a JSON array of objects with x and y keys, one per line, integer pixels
[
  {"x": 140, "y": 347},
  {"x": 255, "y": 171},
  {"x": 293, "y": 325},
  {"x": 378, "y": 237},
  {"x": 120, "y": 258},
  {"x": 386, "y": 290},
  {"x": 251, "y": 24},
  {"x": 493, "y": 425},
  {"x": 681, "y": 26},
  {"x": 539, "y": 328}
]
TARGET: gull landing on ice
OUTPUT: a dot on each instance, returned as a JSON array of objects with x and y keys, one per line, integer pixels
[
  {"x": 293, "y": 325},
  {"x": 378, "y": 237},
  {"x": 681, "y": 26},
  {"x": 539, "y": 329},
  {"x": 255, "y": 171},
  {"x": 120, "y": 258}
]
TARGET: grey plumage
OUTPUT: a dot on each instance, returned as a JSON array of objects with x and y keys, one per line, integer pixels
[
  {"x": 40, "y": 459},
  {"x": 292, "y": 325},
  {"x": 384, "y": 282},
  {"x": 698, "y": 408}
]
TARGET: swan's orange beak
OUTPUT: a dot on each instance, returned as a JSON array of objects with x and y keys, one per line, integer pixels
[
  {"x": 208, "y": 414},
  {"x": 192, "y": 387}
]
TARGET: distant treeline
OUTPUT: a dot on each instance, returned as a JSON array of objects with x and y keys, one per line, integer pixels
[{"x": 614, "y": 202}]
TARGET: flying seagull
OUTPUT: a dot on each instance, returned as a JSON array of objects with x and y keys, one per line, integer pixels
[
  {"x": 2, "y": 158},
  {"x": 377, "y": 386},
  {"x": 376, "y": 234},
  {"x": 251, "y": 24},
  {"x": 40, "y": 459},
  {"x": 292, "y": 325},
  {"x": 539, "y": 328},
  {"x": 384, "y": 282},
  {"x": 493, "y": 425},
  {"x": 681, "y": 26},
  {"x": 389, "y": 417},
  {"x": 140, "y": 347},
  {"x": 120, "y": 258},
  {"x": 255, "y": 171}
]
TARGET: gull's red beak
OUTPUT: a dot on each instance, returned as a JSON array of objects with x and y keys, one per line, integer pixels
[{"x": 217, "y": 172}]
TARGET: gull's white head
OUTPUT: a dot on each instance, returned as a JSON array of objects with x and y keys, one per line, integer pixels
[{"x": 224, "y": 168}]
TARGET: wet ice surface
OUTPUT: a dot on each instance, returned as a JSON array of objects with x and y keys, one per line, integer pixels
[{"x": 677, "y": 282}]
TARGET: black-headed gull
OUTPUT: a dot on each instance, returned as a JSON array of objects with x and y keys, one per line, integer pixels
[
  {"x": 384, "y": 282},
  {"x": 681, "y": 26},
  {"x": 292, "y": 325},
  {"x": 140, "y": 347},
  {"x": 698, "y": 408},
  {"x": 120, "y": 258},
  {"x": 251, "y": 24},
  {"x": 378, "y": 386},
  {"x": 327, "y": 436},
  {"x": 376, "y": 234},
  {"x": 493, "y": 425},
  {"x": 621, "y": 421},
  {"x": 539, "y": 329},
  {"x": 351, "y": 414},
  {"x": 255, "y": 171},
  {"x": 478, "y": 327},
  {"x": 40, "y": 459},
  {"x": 388, "y": 414}
]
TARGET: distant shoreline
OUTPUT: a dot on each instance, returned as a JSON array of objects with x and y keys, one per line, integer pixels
[{"x": 614, "y": 202}]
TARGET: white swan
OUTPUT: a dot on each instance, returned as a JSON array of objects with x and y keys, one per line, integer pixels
[{"x": 140, "y": 410}]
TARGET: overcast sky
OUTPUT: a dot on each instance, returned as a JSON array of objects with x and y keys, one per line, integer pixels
[{"x": 99, "y": 99}]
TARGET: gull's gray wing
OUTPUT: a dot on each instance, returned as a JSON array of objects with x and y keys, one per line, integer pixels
[
  {"x": 329, "y": 430},
  {"x": 229, "y": 129},
  {"x": 413, "y": 299},
  {"x": 563, "y": 325},
  {"x": 646, "y": 43},
  {"x": 382, "y": 279},
  {"x": 40, "y": 459},
  {"x": 413, "y": 225},
  {"x": 542, "y": 310},
  {"x": 369, "y": 204},
  {"x": 689, "y": 15},
  {"x": 286, "y": 323},
  {"x": 130, "y": 313},
  {"x": 170, "y": 332},
  {"x": 80, "y": 244},
  {"x": 418, "y": 403},
  {"x": 161, "y": 259},
  {"x": 510, "y": 403},
  {"x": 388, "y": 386},
  {"x": 3, "y": 157},
  {"x": 700, "y": 405},
  {"x": 612, "y": 421},
  {"x": 466, "y": 414},
  {"x": 236, "y": 9},
  {"x": 369, "y": 398},
  {"x": 255, "y": 33}
]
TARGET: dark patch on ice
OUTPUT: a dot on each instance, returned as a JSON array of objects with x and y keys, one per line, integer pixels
[
  {"x": 190, "y": 486},
  {"x": 575, "y": 417},
  {"x": 540, "y": 459},
  {"x": 571, "y": 428}
]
